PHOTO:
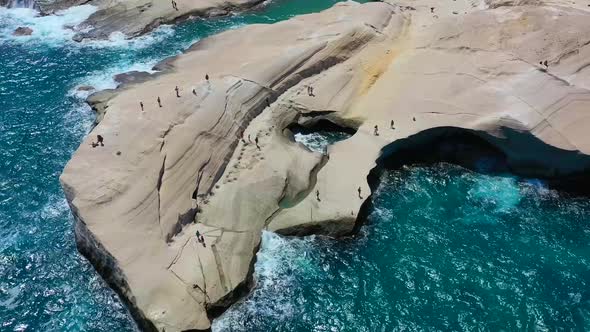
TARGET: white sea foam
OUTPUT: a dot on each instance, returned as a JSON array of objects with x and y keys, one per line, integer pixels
[
  {"x": 277, "y": 258},
  {"x": 119, "y": 40},
  {"x": 314, "y": 141},
  {"x": 46, "y": 29},
  {"x": 105, "y": 79},
  {"x": 502, "y": 192},
  {"x": 59, "y": 28}
]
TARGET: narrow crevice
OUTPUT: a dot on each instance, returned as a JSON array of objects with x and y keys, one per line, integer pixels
[{"x": 158, "y": 187}]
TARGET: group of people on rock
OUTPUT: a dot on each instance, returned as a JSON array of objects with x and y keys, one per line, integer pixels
[
  {"x": 317, "y": 194},
  {"x": 176, "y": 90},
  {"x": 249, "y": 139},
  {"x": 391, "y": 125}
]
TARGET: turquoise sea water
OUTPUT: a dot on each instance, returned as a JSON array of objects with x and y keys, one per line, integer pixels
[
  {"x": 44, "y": 284},
  {"x": 444, "y": 249}
]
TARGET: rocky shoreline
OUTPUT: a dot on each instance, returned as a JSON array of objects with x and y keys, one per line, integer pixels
[
  {"x": 133, "y": 18},
  {"x": 217, "y": 157}
]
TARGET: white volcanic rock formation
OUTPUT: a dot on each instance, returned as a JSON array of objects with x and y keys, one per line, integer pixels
[
  {"x": 135, "y": 199},
  {"x": 166, "y": 173}
]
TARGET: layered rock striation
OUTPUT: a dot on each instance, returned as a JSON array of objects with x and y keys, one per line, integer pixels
[{"x": 219, "y": 159}]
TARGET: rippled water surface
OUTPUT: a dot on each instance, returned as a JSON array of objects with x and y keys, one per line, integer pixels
[
  {"x": 44, "y": 284},
  {"x": 445, "y": 249}
]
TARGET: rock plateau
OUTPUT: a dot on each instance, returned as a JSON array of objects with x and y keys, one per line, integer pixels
[{"x": 193, "y": 164}]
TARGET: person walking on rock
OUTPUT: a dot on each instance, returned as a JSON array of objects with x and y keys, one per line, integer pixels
[
  {"x": 141, "y": 105},
  {"x": 100, "y": 140},
  {"x": 159, "y": 102},
  {"x": 359, "y": 190},
  {"x": 391, "y": 125},
  {"x": 207, "y": 77},
  {"x": 376, "y": 131},
  {"x": 177, "y": 91},
  {"x": 317, "y": 195},
  {"x": 256, "y": 141}
]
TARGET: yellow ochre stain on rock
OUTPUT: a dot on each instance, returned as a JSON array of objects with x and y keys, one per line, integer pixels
[
  {"x": 376, "y": 68},
  {"x": 377, "y": 65}
]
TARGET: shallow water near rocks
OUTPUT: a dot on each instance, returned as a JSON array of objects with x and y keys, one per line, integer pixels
[
  {"x": 45, "y": 285},
  {"x": 444, "y": 249}
]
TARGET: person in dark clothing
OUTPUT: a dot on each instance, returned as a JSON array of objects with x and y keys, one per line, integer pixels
[
  {"x": 546, "y": 64},
  {"x": 391, "y": 125},
  {"x": 359, "y": 190},
  {"x": 194, "y": 92},
  {"x": 207, "y": 77},
  {"x": 141, "y": 105},
  {"x": 99, "y": 140},
  {"x": 159, "y": 101},
  {"x": 414, "y": 118},
  {"x": 376, "y": 131},
  {"x": 317, "y": 195},
  {"x": 177, "y": 91},
  {"x": 256, "y": 141}
]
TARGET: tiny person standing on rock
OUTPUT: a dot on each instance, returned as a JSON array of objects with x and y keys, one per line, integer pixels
[
  {"x": 141, "y": 105},
  {"x": 177, "y": 93},
  {"x": 100, "y": 140},
  {"x": 159, "y": 102}
]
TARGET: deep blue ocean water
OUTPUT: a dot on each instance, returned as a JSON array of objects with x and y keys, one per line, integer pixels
[{"x": 445, "y": 248}]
